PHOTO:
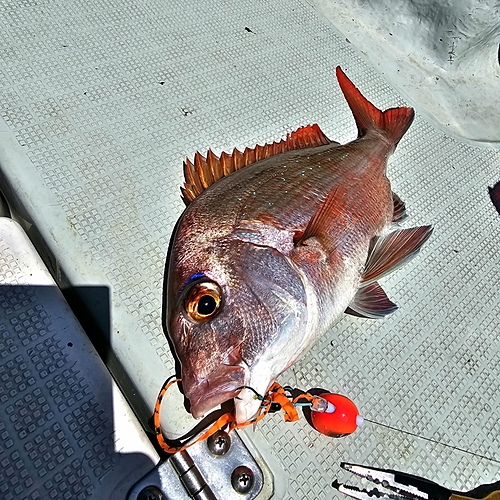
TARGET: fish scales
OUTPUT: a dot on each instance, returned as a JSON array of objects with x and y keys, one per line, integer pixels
[
  {"x": 292, "y": 189},
  {"x": 266, "y": 258}
]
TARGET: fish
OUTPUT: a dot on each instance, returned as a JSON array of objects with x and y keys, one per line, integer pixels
[{"x": 275, "y": 244}]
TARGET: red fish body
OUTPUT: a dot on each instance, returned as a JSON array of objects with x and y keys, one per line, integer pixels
[{"x": 275, "y": 244}]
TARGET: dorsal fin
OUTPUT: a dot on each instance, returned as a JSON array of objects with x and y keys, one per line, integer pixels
[{"x": 207, "y": 170}]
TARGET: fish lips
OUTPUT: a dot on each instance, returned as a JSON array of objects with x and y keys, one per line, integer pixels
[{"x": 222, "y": 384}]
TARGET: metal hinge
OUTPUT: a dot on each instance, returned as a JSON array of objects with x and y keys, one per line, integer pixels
[{"x": 219, "y": 468}]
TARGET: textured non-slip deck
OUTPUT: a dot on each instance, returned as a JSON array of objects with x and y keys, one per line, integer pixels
[
  {"x": 100, "y": 103},
  {"x": 65, "y": 429}
]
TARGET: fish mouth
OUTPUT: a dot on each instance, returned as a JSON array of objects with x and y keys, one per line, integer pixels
[{"x": 221, "y": 385}]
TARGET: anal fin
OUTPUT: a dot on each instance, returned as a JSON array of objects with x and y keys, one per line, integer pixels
[
  {"x": 391, "y": 251},
  {"x": 371, "y": 302},
  {"x": 399, "y": 214}
]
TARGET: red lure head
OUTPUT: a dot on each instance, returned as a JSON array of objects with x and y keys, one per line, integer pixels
[{"x": 344, "y": 420}]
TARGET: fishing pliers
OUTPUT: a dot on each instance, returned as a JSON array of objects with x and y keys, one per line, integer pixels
[{"x": 395, "y": 485}]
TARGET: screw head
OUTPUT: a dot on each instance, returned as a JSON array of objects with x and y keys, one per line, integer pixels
[
  {"x": 242, "y": 479},
  {"x": 150, "y": 493},
  {"x": 219, "y": 443}
]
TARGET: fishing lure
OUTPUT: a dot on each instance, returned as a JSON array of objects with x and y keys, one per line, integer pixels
[{"x": 332, "y": 414}]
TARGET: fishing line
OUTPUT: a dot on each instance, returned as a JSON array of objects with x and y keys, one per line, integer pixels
[
  {"x": 456, "y": 448},
  {"x": 241, "y": 387},
  {"x": 295, "y": 402}
]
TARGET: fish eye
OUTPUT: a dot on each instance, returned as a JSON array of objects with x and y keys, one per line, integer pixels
[{"x": 203, "y": 300}]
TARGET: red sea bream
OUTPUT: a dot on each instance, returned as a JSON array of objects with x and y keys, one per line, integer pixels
[{"x": 276, "y": 243}]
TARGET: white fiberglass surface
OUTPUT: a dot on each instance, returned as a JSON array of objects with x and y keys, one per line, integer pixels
[
  {"x": 102, "y": 100},
  {"x": 444, "y": 56}
]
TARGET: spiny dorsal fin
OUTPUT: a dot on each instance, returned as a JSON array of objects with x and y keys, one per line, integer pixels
[{"x": 207, "y": 170}]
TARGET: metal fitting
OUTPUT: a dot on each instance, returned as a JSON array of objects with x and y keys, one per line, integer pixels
[
  {"x": 219, "y": 443},
  {"x": 150, "y": 493},
  {"x": 242, "y": 479}
]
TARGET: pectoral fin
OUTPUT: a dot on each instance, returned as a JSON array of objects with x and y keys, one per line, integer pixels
[
  {"x": 330, "y": 213},
  {"x": 371, "y": 302},
  {"x": 392, "y": 251}
]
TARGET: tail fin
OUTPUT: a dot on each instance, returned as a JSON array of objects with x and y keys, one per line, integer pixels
[{"x": 395, "y": 121}]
